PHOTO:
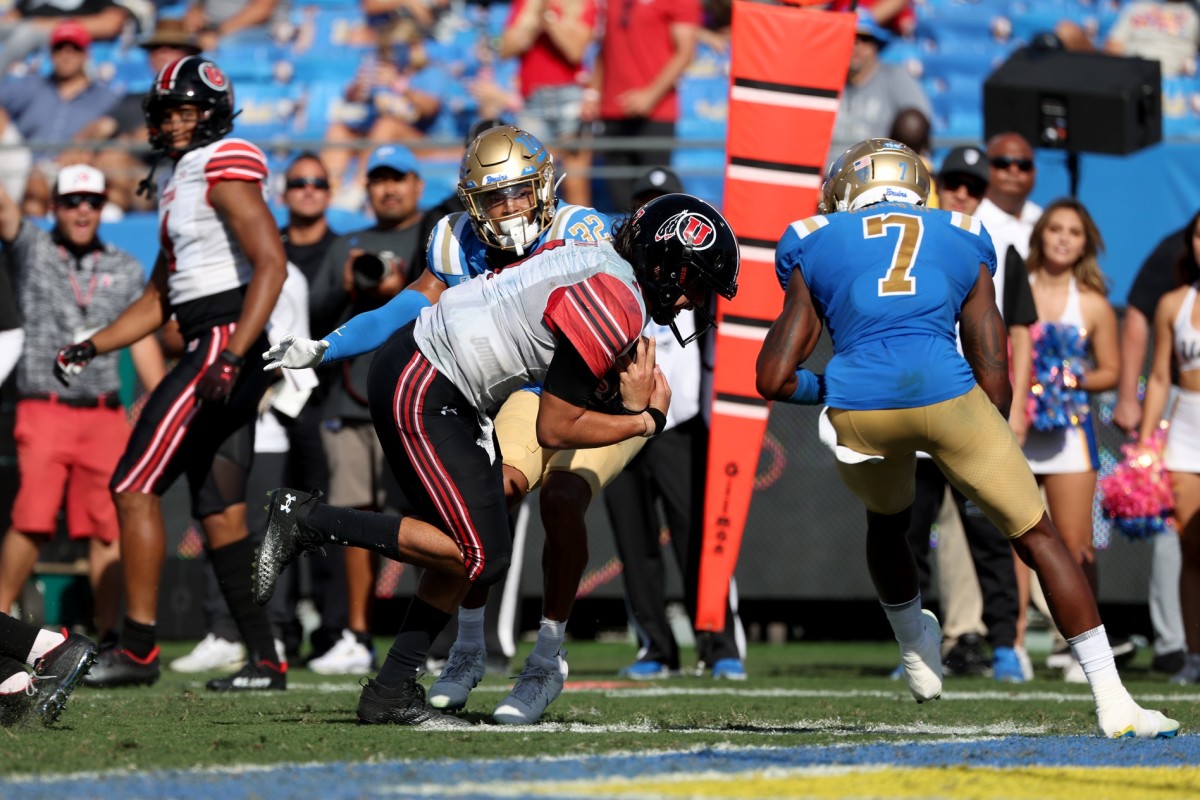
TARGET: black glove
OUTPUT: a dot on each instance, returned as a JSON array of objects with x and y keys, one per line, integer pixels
[
  {"x": 216, "y": 384},
  {"x": 71, "y": 360}
]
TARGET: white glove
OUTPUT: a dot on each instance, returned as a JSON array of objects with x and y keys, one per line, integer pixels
[{"x": 295, "y": 352}]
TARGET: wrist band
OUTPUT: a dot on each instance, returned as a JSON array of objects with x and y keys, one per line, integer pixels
[
  {"x": 232, "y": 358},
  {"x": 658, "y": 418}
]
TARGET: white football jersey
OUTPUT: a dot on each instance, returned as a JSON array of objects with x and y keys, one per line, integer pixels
[
  {"x": 204, "y": 256},
  {"x": 496, "y": 333}
]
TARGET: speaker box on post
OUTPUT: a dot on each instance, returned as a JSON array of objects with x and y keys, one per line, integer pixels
[{"x": 1081, "y": 102}]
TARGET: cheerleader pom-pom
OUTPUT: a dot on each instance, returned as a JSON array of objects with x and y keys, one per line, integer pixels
[
  {"x": 1137, "y": 493},
  {"x": 1056, "y": 397}
]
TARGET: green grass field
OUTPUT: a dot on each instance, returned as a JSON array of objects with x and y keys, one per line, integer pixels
[{"x": 797, "y": 695}]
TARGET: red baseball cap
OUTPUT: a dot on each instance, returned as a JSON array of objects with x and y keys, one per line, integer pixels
[{"x": 71, "y": 32}]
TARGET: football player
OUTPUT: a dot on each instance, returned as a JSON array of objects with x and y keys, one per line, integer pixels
[
  {"x": 568, "y": 317},
  {"x": 891, "y": 278}
]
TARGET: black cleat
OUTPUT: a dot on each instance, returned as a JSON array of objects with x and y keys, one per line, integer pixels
[
  {"x": 58, "y": 672},
  {"x": 403, "y": 705},
  {"x": 116, "y": 666},
  {"x": 1125, "y": 648},
  {"x": 286, "y": 538},
  {"x": 262, "y": 676},
  {"x": 967, "y": 657},
  {"x": 1169, "y": 663}
]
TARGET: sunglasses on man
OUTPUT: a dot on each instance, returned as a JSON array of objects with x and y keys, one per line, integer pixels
[
  {"x": 302, "y": 183},
  {"x": 1004, "y": 162},
  {"x": 92, "y": 201},
  {"x": 954, "y": 182}
]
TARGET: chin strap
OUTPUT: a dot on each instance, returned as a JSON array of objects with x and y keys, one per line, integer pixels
[{"x": 146, "y": 185}]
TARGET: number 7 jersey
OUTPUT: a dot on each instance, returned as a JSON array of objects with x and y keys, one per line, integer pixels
[{"x": 889, "y": 280}]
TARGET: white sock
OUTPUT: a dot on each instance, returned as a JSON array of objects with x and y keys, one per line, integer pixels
[
  {"x": 44, "y": 643},
  {"x": 1093, "y": 652},
  {"x": 550, "y": 638},
  {"x": 906, "y": 621},
  {"x": 18, "y": 682},
  {"x": 470, "y": 626}
]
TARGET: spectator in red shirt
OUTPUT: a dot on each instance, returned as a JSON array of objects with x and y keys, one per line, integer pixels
[
  {"x": 550, "y": 37},
  {"x": 646, "y": 47}
]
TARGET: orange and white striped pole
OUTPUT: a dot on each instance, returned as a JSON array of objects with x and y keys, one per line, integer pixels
[{"x": 788, "y": 68}]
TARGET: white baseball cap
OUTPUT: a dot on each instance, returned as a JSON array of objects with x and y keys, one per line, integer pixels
[{"x": 79, "y": 179}]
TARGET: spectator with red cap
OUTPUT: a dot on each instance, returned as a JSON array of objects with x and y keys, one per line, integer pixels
[
  {"x": 55, "y": 107},
  {"x": 29, "y": 25},
  {"x": 69, "y": 282}
]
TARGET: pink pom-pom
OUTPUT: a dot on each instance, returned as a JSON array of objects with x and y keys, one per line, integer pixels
[{"x": 1137, "y": 493}]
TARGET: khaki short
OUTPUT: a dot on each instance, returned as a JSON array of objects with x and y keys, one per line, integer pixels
[
  {"x": 356, "y": 466},
  {"x": 968, "y": 439},
  {"x": 516, "y": 429}
]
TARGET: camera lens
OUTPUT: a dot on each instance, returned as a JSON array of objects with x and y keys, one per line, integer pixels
[{"x": 369, "y": 269}]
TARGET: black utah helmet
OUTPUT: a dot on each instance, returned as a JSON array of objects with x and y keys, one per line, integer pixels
[
  {"x": 190, "y": 80},
  {"x": 672, "y": 242}
]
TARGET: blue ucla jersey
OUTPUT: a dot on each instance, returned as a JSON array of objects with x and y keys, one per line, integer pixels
[
  {"x": 456, "y": 254},
  {"x": 890, "y": 280}
]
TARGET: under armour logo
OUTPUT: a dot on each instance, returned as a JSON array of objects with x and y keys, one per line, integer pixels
[
  {"x": 286, "y": 506},
  {"x": 447, "y": 410}
]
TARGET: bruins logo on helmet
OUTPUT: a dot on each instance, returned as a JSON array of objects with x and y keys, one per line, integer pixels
[
  {"x": 506, "y": 182},
  {"x": 875, "y": 171}
]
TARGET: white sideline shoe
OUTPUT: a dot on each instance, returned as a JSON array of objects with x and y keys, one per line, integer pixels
[
  {"x": 210, "y": 654},
  {"x": 923, "y": 663},
  {"x": 461, "y": 673},
  {"x": 1127, "y": 719},
  {"x": 538, "y": 684},
  {"x": 348, "y": 656}
]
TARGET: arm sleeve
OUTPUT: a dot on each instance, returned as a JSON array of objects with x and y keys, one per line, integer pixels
[
  {"x": 367, "y": 331},
  {"x": 569, "y": 377}
]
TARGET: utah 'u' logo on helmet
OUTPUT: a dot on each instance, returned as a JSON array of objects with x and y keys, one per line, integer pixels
[
  {"x": 211, "y": 74},
  {"x": 693, "y": 230}
]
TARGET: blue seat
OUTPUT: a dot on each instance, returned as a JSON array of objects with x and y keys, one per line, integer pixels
[{"x": 268, "y": 112}]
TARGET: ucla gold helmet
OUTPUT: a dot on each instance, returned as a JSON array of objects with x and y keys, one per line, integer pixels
[
  {"x": 875, "y": 171},
  {"x": 506, "y": 182}
]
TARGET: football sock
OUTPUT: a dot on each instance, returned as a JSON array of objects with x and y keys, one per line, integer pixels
[
  {"x": 1093, "y": 652},
  {"x": 16, "y": 638},
  {"x": 422, "y": 624},
  {"x": 906, "y": 622},
  {"x": 350, "y": 527},
  {"x": 138, "y": 638},
  {"x": 470, "y": 626},
  {"x": 17, "y": 681},
  {"x": 550, "y": 638},
  {"x": 229, "y": 563},
  {"x": 45, "y": 642}
]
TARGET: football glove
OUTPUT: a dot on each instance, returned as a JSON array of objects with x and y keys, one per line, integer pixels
[
  {"x": 295, "y": 352},
  {"x": 216, "y": 384},
  {"x": 71, "y": 360}
]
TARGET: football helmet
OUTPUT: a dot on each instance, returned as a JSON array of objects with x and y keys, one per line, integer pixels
[
  {"x": 672, "y": 242},
  {"x": 506, "y": 182},
  {"x": 874, "y": 171},
  {"x": 190, "y": 80}
]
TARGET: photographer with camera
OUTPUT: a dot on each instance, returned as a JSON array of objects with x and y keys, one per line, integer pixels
[{"x": 361, "y": 271}]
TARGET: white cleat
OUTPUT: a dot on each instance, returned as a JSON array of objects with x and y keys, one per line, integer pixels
[
  {"x": 212, "y": 653},
  {"x": 462, "y": 672},
  {"x": 538, "y": 684},
  {"x": 348, "y": 656},
  {"x": 1130, "y": 720},
  {"x": 923, "y": 663}
]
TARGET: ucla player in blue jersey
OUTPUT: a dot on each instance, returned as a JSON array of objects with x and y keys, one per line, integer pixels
[
  {"x": 891, "y": 278},
  {"x": 507, "y": 185}
]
